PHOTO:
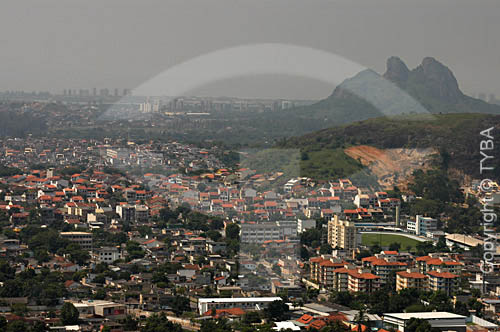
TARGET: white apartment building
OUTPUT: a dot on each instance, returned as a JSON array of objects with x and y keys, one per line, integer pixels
[
  {"x": 422, "y": 225},
  {"x": 108, "y": 254},
  {"x": 268, "y": 231},
  {"x": 260, "y": 232}
]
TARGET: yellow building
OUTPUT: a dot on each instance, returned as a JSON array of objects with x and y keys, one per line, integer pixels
[
  {"x": 443, "y": 281},
  {"x": 411, "y": 279},
  {"x": 342, "y": 234}
]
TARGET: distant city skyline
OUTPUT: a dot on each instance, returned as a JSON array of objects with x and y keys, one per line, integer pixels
[{"x": 68, "y": 45}]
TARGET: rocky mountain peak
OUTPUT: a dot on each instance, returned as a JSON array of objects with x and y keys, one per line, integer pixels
[
  {"x": 438, "y": 79},
  {"x": 397, "y": 71}
]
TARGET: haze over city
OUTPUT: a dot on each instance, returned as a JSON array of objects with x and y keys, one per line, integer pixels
[{"x": 54, "y": 45}]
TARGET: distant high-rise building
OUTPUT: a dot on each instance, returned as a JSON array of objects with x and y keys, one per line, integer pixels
[
  {"x": 94, "y": 92},
  {"x": 145, "y": 107},
  {"x": 116, "y": 93},
  {"x": 286, "y": 104},
  {"x": 104, "y": 92},
  {"x": 156, "y": 106}
]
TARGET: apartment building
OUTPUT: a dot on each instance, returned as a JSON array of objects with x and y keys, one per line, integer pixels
[
  {"x": 326, "y": 271},
  {"x": 341, "y": 279},
  {"x": 422, "y": 225},
  {"x": 126, "y": 212},
  {"x": 435, "y": 262},
  {"x": 83, "y": 239},
  {"x": 267, "y": 231},
  {"x": 445, "y": 282},
  {"x": 411, "y": 279},
  {"x": 342, "y": 234},
  {"x": 108, "y": 254},
  {"x": 383, "y": 268},
  {"x": 361, "y": 280}
]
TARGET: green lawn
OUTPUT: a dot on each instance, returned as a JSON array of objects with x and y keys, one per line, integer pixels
[{"x": 384, "y": 240}]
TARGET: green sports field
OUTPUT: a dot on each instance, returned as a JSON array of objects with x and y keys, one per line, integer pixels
[{"x": 384, "y": 240}]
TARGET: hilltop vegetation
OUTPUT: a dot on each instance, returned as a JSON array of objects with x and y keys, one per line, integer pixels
[
  {"x": 456, "y": 136},
  {"x": 292, "y": 162}
]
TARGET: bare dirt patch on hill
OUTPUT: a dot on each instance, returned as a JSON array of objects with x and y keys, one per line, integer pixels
[{"x": 391, "y": 166}]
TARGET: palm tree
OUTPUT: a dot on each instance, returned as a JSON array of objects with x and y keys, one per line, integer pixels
[{"x": 360, "y": 318}]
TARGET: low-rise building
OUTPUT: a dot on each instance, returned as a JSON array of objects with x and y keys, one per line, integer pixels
[
  {"x": 442, "y": 321},
  {"x": 249, "y": 303}
]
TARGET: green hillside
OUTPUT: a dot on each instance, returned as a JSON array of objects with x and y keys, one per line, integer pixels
[{"x": 455, "y": 135}]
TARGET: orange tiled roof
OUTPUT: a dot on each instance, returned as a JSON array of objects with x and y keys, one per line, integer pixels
[
  {"x": 446, "y": 275},
  {"x": 305, "y": 319},
  {"x": 413, "y": 275}
]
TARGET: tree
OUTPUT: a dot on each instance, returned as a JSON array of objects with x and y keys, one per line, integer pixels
[
  {"x": 342, "y": 298},
  {"x": 214, "y": 235},
  {"x": 304, "y": 253},
  {"x": 418, "y": 325},
  {"x": 277, "y": 310},
  {"x": 69, "y": 314},
  {"x": 134, "y": 250},
  {"x": 362, "y": 254},
  {"x": 233, "y": 231},
  {"x": 39, "y": 327},
  {"x": 129, "y": 323},
  {"x": 440, "y": 301},
  {"x": 218, "y": 325},
  {"x": 180, "y": 304},
  {"x": 160, "y": 323},
  {"x": 16, "y": 326},
  {"x": 395, "y": 246},
  {"x": 251, "y": 317},
  {"x": 375, "y": 249},
  {"x": 168, "y": 215},
  {"x": 336, "y": 326},
  {"x": 461, "y": 309},
  {"x": 76, "y": 254},
  {"x": 325, "y": 249},
  {"x": 360, "y": 318},
  {"x": 19, "y": 309},
  {"x": 309, "y": 236}
]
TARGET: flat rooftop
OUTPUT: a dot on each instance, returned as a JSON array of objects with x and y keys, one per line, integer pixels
[
  {"x": 239, "y": 299},
  {"x": 425, "y": 315}
]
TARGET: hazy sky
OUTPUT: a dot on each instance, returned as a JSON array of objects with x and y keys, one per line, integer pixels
[{"x": 57, "y": 44}]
